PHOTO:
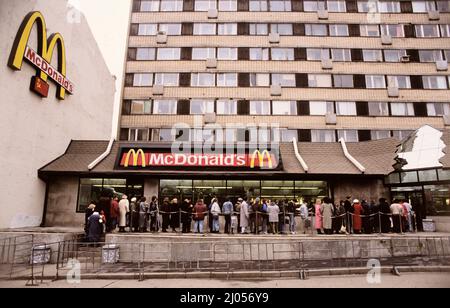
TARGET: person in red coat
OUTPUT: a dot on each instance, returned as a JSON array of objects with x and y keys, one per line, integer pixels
[{"x": 358, "y": 210}]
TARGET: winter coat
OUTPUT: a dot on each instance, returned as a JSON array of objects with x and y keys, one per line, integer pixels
[
  {"x": 199, "y": 212},
  {"x": 357, "y": 222},
  {"x": 94, "y": 228},
  {"x": 124, "y": 208},
  {"x": 244, "y": 214},
  {"x": 215, "y": 210},
  {"x": 114, "y": 209},
  {"x": 318, "y": 218},
  {"x": 326, "y": 209},
  {"x": 273, "y": 211}
]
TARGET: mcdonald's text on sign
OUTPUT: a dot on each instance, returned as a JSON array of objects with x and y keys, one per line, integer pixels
[{"x": 141, "y": 159}]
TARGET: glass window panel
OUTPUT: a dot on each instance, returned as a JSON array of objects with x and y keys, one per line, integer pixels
[
  {"x": 430, "y": 55},
  {"x": 370, "y": 30},
  {"x": 282, "y": 29},
  {"x": 319, "y": 81},
  {"x": 227, "y": 80},
  {"x": 392, "y": 30},
  {"x": 345, "y": 108},
  {"x": 284, "y": 107},
  {"x": 427, "y": 31},
  {"x": 259, "y": 29},
  {"x": 204, "y": 29},
  {"x": 259, "y": 54},
  {"x": 341, "y": 55},
  {"x": 169, "y": 53},
  {"x": 316, "y": 30},
  {"x": 277, "y": 190},
  {"x": 203, "y": 53},
  {"x": 423, "y": 6},
  {"x": 170, "y": 29},
  {"x": 171, "y": 5},
  {"x": 322, "y": 135},
  {"x": 394, "y": 55},
  {"x": 205, "y": 5},
  {"x": 143, "y": 80},
  {"x": 409, "y": 177},
  {"x": 226, "y": 107},
  {"x": 283, "y": 54},
  {"x": 313, "y": 54},
  {"x": 336, "y": 6},
  {"x": 228, "y": 5},
  {"x": 260, "y": 107},
  {"x": 434, "y": 82},
  {"x": 201, "y": 107},
  {"x": 348, "y": 135},
  {"x": 402, "y": 109},
  {"x": 438, "y": 109},
  {"x": 380, "y": 134},
  {"x": 150, "y": 6},
  {"x": 148, "y": 29},
  {"x": 280, "y": 5},
  {"x": 259, "y": 80},
  {"x": 321, "y": 108},
  {"x": 145, "y": 54},
  {"x": 378, "y": 109},
  {"x": 372, "y": 55},
  {"x": 203, "y": 80},
  {"x": 227, "y": 54},
  {"x": 427, "y": 175},
  {"x": 227, "y": 29},
  {"x": 375, "y": 82},
  {"x": 165, "y": 106},
  {"x": 287, "y": 135},
  {"x": 166, "y": 79},
  {"x": 343, "y": 81},
  {"x": 258, "y": 6},
  {"x": 437, "y": 199},
  {"x": 285, "y": 80},
  {"x": 338, "y": 30}
]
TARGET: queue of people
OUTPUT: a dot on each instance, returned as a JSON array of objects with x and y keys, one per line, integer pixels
[{"x": 257, "y": 216}]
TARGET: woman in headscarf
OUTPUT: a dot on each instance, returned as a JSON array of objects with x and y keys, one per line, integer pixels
[
  {"x": 358, "y": 211},
  {"x": 94, "y": 228},
  {"x": 124, "y": 209}
]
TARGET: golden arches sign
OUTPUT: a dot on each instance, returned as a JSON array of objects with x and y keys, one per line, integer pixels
[
  {"x": 42, "y": 58},
  {"x": 260, "y": 156},
  {"x": 135, "y": 155}
]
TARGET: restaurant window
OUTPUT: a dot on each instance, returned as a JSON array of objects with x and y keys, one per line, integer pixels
[
  {"x": 319, "y": 81},
  {"x": 428, "y": 175},
  {"x": 378, "y": 109},
  {"x": 243, "y": 189},
  {"x": 203, "y": 80},
  {"x": 169, "y": 53},
  {"x": 341, "y": 55},
  {"x": 166, "y": 79},
  {"x": 323, "y": 135},
  {"x": 141, "y": 107},
  {"x": 148, "y": 29},
  {"x": 346, "y": 108},
  {"x": 180, "y": 189},
  {"x": 427, "y": 31},
  {"x": 402, "y": 109},
  {"x": 283, "y": 54},
  {"x": 380, "y": 134},
  {"x": 227, "y": 80},
  {"x": 259, "y": 54},
  {"x": 430, "y": 55},
  {"x": 372, "y": 55},
  {"x": 171, "y": 5},
  {"x": 201, "y": 107},
  {"x": 260, "y": 107},
  {"x": 280, "y": 5},
  {"x": 226, "y": 107},
  {"x": 284, "y": 80},
  {"x": 409, "y": 177},
  {"x": 282, "y": 29},
  {"x": 434, "y": 82},
  {"x": 258, "y": 6},
  {"x": 284, "y": 108},
  {"x": 375, "y": 82},
  {"x": 309, "y": 191},
  {"x": 259, "y": 80},
  {"x": 209, "y": 189},
  {"x": 277, "y": 190},
  {"x": 228, "y": 5},
  {"x": 349, "y": 135},
  {"x": 444, "y": 175},
  {"x": 204, "y": 29},
  {"x": 227, "y": 29},
  {"x": 437, "y": 199},
  {"x": 321, "y": 108},
  {"x": 145, "y": 54},
  {"x": 170, "y": 29},
  {"x": 203, "y": 53},
  {"x": 142, "y": 80},
  {"x": 138, "y": 134},
  {"x": 316, "y": 30},
  {"x": 227, "y": 54},
  {"x": 93, "y": 189},
  {"x": 392, "y": 30},
  {"x": 438, "y": 109},
  {"x": 165, "y": 106},
  {"x": 205, "y": 5},
  {"x": 369, "y": 30}
]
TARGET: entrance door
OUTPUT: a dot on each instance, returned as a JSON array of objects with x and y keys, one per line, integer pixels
[{"x": 415, "y": 197}]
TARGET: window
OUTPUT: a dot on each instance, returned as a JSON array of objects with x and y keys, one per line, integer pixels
[
  {"x": 447, "y": 55},
  {"x": 427, "y": 31},
  {"x": 287, "y": 135},
  {"x": 321, "y": 108},
  {"x": 378, "y": 109},
  {"x": 313, "y": 6},
  {"x": 375, "y": 82},
  {"x": 163, "y": 135},
  {"x": 259, "y": 80},
  {"x": 203, "y": 53},
  {"x": 165, "y": 107},
  {"x": 260, "y": 107},
  {"x": 227, "y": 54},
  {"x": 283, "y": 54},
  {"x": 170, "y": 29},
  {"x": 401, "y": 82},
  {"x": 314, "y": 54},
  {"x": 402, "y": 109},
  {"x": 203, "y": 80},
  {"x": 343, "y": 81},
  {"x": 282, "y": 29},
  {"x": 389, "y": 7},
  {"x": 322, "y": 135},
  {"x": 259, "y": 54},
  {"x": 171, "y": 5},
  {"x": 430, "y": 55},
  {"x": 341, "y": 55},
  {"x": 226, "y": 107},
  {"x": 148, "y": 29},
  {"x": 143, "y": 80},
  {"x": 227, "y": 80},
  {"x": 394, "y": 55},
  {"x": 445, "y": 30},
  {"x": 372, "y": 55},
  {"x": 169, "y": 53},
  {"x": 228, "y": 5},
  {"x": 438, "y": 109},
  {"x": 138, "y": 134},
  {"x": 423, "y": 6},
  {"x": 166, "y": 79},
  {"x": 258, "y": 6},
  {"x": 336, "y": 6},
  {"x": 434, "y": 82},
  {"x": 443, "y": 6},
  {"x": 201, "y": 107},
  {"x": 205, "y": 5},
  {"x": 284, "y": 80},
  {"x": 145, "y": 54},
  {"x": 338, "y": 30},
  {"x": 392, "y": 30},
  {"x": 380, "y": 134},
  {"x": 369, "y": 30},
  {"x": 205, "y": 29},
  {"x": 316, "y": 30},
  {"x": 259, "y": 29},
  {"x": 141, "y": 107},
  {"x": 284, "y": 107},
  {"x": 227, "y": 29},
  {"x": 150, "y": 6},
  {"x": 349, "y": 135},
  {"x": 345, "y": 108},
  {"x": 401, "y": 134},
  {"x": 319, "y": 81},
  {"x": 280, "y": 5}
]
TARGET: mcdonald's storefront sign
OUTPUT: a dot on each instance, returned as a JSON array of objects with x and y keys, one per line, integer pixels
[
  {"x": 140, "y": 158},
  {"x": 41, "y": 57}
]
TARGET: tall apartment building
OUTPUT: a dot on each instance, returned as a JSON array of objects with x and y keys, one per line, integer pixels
[{"x": 338, "y": 83}]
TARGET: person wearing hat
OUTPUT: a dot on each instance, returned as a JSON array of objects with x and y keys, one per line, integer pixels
[
  {"x": 174, "y": 215},
  {"x": 357, "y": 212},
  {"x": 153, "y": 213},
  {"x": 124, "y": 209},
  {"x": 134, "y": 207}
]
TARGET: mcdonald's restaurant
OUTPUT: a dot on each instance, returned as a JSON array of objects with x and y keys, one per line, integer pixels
[{"x": 303, "y": 171}]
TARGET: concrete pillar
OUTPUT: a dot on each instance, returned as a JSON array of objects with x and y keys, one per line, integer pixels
[{"x": 151, "y": 188}]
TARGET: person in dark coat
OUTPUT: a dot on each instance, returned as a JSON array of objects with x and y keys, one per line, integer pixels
[
  {"x": 366, "y": 219},
  {"x": 186, "y": 215},
  {"x": 89, "y": 211},
  {"x": 374, "y": 219},
  {"x": 338, "y": 220},
  {"x": 175, "y": 215},
  {"x": 165, "y": 209},
  {"x": 153, "y": 213},
  {"x": 349, "y": 210},
  {"x": 94, "y": 228},
  {"x": 385, "y": 211},
  {"x": 104, "y": 204}
]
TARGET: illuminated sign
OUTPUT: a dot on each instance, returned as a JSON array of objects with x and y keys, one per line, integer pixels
[
  {"x": 42, "y": 57},
  {"x": 140, "y": 158}
]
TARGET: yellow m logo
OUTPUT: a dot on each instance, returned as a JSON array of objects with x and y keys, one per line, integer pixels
[
  {"x": 257, "y": 155},
  {"x": 135, "y": 155},
  {"x": 45, "y": 47}
]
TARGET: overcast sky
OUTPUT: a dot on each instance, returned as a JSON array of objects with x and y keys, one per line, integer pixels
[{"x": 108, "y": 20}]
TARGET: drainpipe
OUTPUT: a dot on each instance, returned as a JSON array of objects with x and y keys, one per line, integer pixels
[
  {"x": 299, "y": 157},
  {"x": 103, "y": 156},
  {"x": 350, "y": 157}
]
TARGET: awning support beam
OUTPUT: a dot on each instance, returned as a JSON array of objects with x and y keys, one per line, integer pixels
[
  {"x": 350, "y": 157},
  {"x": 299, "y": 157}
]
